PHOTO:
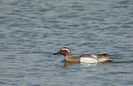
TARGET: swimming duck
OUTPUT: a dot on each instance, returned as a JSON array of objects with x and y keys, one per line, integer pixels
[{"x": 84, "y": 58}]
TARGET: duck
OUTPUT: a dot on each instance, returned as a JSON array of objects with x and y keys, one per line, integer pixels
[{"x": 84, "y": 58}]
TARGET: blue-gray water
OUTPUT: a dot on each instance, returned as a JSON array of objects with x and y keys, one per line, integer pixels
[{"x": 31, "y": 30}]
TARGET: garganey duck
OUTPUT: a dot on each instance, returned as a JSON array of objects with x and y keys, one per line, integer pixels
[{"x": 84, "y": 58}]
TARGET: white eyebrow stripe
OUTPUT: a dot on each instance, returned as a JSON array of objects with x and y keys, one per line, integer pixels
[{"x": 65, "y": 49}]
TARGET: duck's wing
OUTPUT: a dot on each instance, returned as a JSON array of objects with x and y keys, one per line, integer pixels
[
  {"x": 104, "y": 58},
  {"x": 88, "y": 58},
  {"x": 85, "y": 55},
  {"x": 94, "y": 56}
]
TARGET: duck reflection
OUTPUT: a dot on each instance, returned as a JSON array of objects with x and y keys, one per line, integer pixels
[{"x": 69, "y": 64}]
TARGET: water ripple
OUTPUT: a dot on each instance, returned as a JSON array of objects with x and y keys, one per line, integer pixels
[{"x": 32, "y": 30}]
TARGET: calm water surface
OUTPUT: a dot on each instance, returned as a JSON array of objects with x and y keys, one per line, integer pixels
[{"x": 31, "y": 30}]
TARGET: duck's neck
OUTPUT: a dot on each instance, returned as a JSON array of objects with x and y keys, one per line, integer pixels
[{"x": 68, "y": 58}]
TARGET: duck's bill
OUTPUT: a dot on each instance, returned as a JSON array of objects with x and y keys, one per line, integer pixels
[{"x": 56, "y": 53}]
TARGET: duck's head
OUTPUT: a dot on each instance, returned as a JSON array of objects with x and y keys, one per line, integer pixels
[{"x": 64, "y": 51}]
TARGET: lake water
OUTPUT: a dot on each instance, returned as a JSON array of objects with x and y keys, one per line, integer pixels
[{"x": 32, "y": 30}]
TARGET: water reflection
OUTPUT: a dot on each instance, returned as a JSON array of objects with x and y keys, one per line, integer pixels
[
  {"x": 68, "y": 64},
  {"x": 88, "y": 65}
]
